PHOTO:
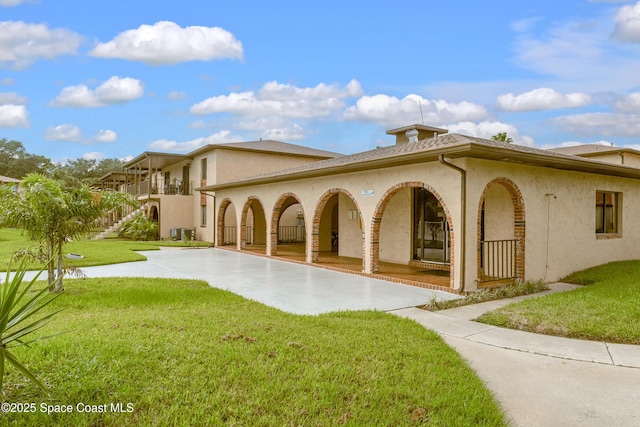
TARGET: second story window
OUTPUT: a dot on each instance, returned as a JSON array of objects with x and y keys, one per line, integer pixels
[{"x": 203, "y": 169}]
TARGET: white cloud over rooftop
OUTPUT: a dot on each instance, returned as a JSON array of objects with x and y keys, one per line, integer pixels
[{"x": 392, "y": 111}]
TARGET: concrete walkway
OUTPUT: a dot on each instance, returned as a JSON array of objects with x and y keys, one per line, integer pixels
[{"x": 539, "y": 380}]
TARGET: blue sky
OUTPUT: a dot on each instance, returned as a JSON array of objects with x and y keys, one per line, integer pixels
[{"x": 114, "y": 79}]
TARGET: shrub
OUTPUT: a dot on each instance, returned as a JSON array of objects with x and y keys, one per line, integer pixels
[{"x": 139, "y": 228}]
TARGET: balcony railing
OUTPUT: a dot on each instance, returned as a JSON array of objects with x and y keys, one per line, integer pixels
[
  {"x": 497, "y": 260},
  {"x": 291, "y": 234},
  {"x": 176, "y": 187},
  {"x": 230, "y": 236}
]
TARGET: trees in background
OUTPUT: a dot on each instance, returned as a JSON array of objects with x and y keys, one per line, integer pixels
[
  {"x": 15, "y": 162},
  {"x": 52, "y": 215}
]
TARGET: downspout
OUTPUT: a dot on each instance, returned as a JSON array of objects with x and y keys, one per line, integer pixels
[{"x": 463, "y": 220}]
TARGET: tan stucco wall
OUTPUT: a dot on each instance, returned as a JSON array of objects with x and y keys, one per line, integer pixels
[
  {"x": 498, "y": 213},
  {"x": 175, "y": 212},
  {"x": 350, "y": 236},
  {"x": 618, "y": 158},
  {"x": 560, "y": 217},
  {"x": 232, "y": 165},
  {"x": 228, "y": 165},
  {"x": 395, "y": 229}
]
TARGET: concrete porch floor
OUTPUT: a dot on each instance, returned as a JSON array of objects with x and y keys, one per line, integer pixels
[{"x": 415, "y": 276}]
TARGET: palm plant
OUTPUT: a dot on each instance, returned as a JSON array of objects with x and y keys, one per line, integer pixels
[{"x": 19, "y": 306}]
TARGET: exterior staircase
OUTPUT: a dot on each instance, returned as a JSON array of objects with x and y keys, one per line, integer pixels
[{"x": 115, "y": 227}]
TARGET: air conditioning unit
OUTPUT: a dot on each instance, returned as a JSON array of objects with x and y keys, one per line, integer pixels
[{"x": 176, "y": 233}]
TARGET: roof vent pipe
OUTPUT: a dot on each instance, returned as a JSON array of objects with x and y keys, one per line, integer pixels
[{"x": 412, "y": 135}]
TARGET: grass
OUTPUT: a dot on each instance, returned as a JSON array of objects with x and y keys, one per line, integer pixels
[
  {"x": 182, "y": 353},
  {"x": 484, "y": 295},
  {"x": 95, "y": 252},
  {"x": 607, "y": 308}
]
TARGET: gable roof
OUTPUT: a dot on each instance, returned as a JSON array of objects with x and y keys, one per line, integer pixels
[
  {"x": 268, "y": 146},
  {"x": 450, "y": 145},
  {"x": 159, "y": 160},
  {"x": 587, "y": 150}
]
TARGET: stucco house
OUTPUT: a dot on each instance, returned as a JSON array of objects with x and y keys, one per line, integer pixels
[
  {"x": 164, "y": 183},
  {"x": 437, "y": 210}
]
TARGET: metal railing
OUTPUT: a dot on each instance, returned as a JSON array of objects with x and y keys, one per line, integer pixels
[
  {"x": 291, "y": 234},
  {"x": 176, "y": 187},
  {"x": 230, "y": 236},
  {"x": 497, "y": 260},
  {"x": 248, "y": 234}
]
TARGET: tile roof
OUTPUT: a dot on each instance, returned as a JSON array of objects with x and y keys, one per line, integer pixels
[
  {"x": 270, "y": 146},
  {"x": 451, "y": 144}
]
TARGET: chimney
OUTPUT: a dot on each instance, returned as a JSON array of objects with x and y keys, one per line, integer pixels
[{"x": 415, "y": 133}]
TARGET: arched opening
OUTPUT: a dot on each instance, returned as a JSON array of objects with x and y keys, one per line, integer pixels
[
  {"x": 500, "y": 246},
  {"x": 288, "y": 235},
  {"x": 253, "y": 227},
  {"x": 337, "y": 231},
  {"x": 153, "y": 214},
  {"x": 227, "y": 224},
  {"x": 412, "y": 236}
]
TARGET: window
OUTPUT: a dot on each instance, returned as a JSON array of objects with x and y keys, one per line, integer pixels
[
  {"x": 203, "y": 170},
  {"x": 203, "y": 215},
  {"x": 607, "y": 212}
]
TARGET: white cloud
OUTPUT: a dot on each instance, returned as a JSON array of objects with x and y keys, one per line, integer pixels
[
  {"x": 12, "y": 98},
  {"x": 628, "y": 24},
  {"x": 541, "y": 99},
  {"x": 7, "y": 81},
  {"x": 116, "y": 90},
  {"x": 391, "y": 111},
  {"x": 629, "y": 104},
  {"x": 600, "y": 124},
  {"x": 186, "y": 146},
  {"x": 167, "y": 43},
  {"x": 12, "y": 116},
  {"x": 9, "y": 3},
  {"x": 64, "y": 132},
  {"x": 282, "y": 100},
  {"x": 105, "y": 136},
  {"x": 177, "y": 95},
  {"x": 73, "y": 133},
  {"x": 487, "y": 129},
  {"x": 21, "y": 44},
  {"x": 93, "y": 155}
]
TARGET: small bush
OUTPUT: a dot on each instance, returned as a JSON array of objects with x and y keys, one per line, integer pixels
[
  {"x": 139, "y": 228},
  {"x": 484, "y": 295}
]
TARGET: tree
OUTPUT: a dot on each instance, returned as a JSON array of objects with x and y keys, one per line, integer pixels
[
  {"x": 15, "y": 162},
  {"x": 52, "y": 215},
  {"x": 502, "y": 137},
  {"x": 75, "y": 173}
]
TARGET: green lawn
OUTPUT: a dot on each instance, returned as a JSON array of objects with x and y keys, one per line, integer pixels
[
  {"x": 182, "y": 353},
  {"x": 95, "y": 252},
  {"x": 607, "y": 308}
]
